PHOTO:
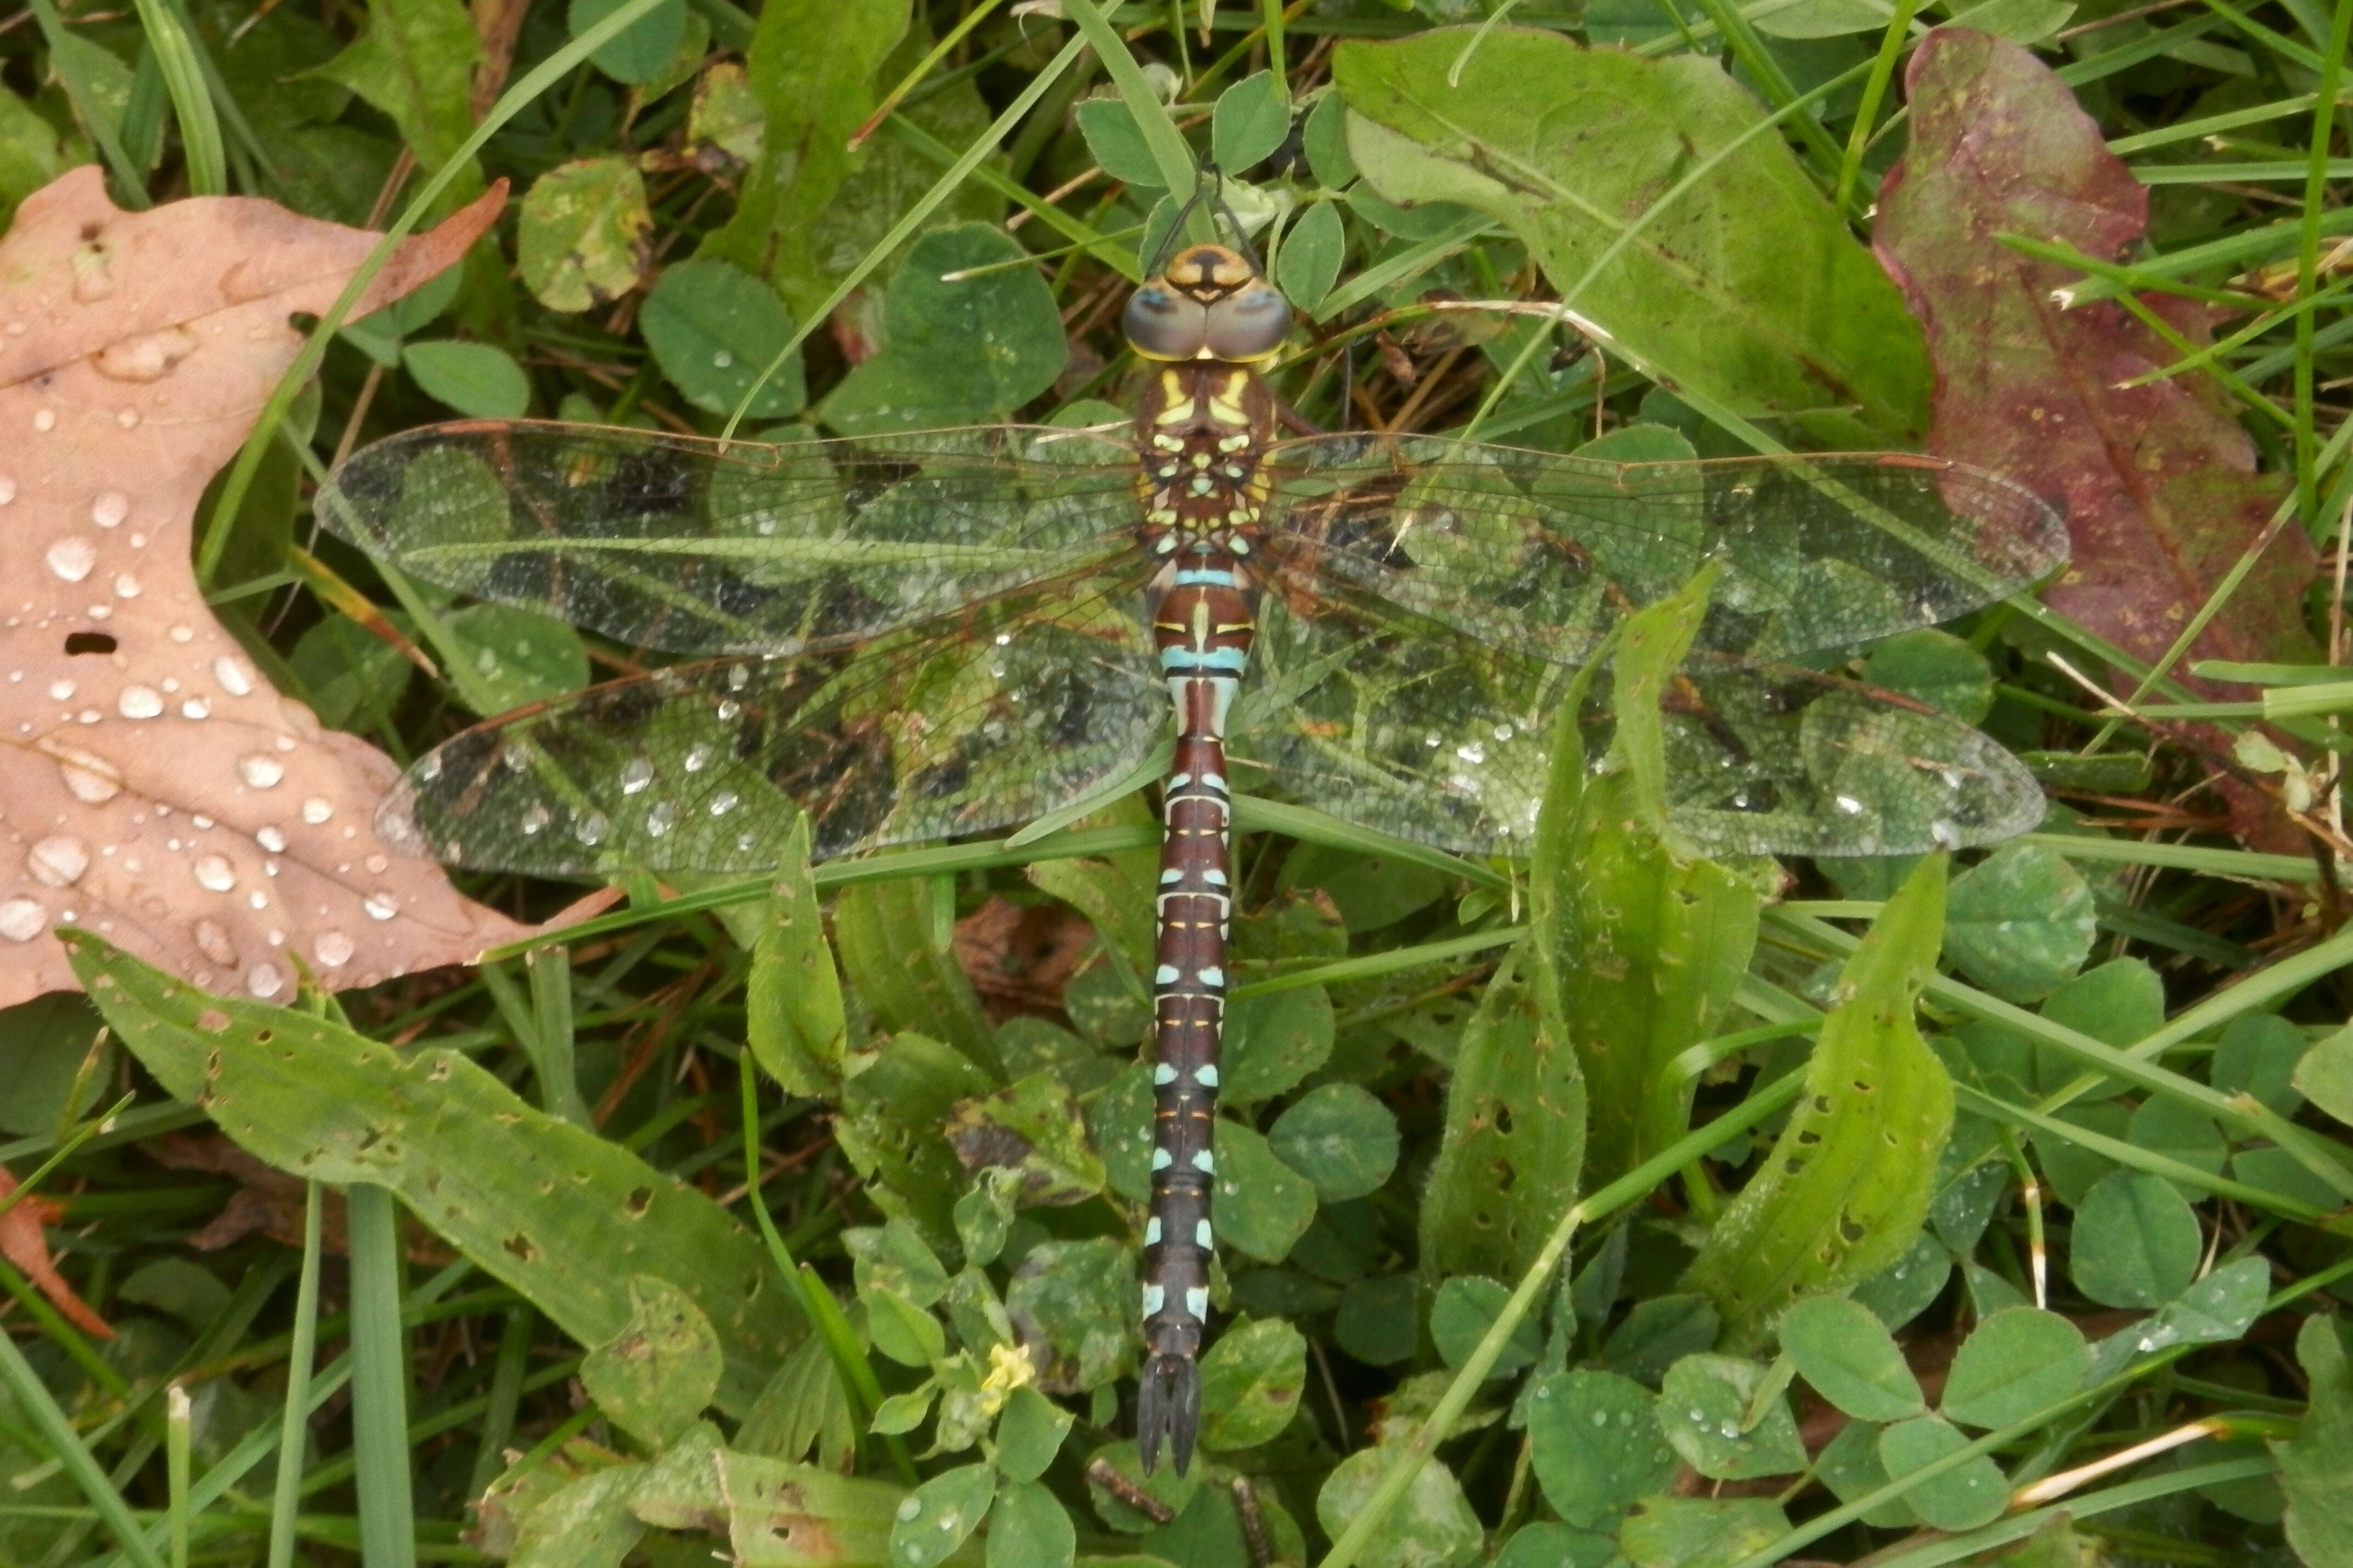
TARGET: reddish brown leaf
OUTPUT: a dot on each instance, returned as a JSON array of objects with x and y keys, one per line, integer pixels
[
  {"x": 2158, "y": 481},
  {"x": 23, "y": 1244},
  {"x": 155, "y": 787}
]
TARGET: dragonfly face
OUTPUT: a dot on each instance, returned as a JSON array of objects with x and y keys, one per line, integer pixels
[{"x": 1209, "y": 303}]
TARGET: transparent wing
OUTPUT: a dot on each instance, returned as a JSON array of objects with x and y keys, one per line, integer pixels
[
  {"x": 993, "y": 717},
  {"x": 1404, "y": 725},
  {"x": 1532, "y": 548},
  {"x": 675, "y": 542}
]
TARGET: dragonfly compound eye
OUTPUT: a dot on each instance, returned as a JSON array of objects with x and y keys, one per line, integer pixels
[
  {"x": 1248, "y": 324},
  {"x": 1163, "y": 324}
]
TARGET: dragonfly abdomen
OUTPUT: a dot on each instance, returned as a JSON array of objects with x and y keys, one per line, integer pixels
[{"x": 1203, "y": 629}]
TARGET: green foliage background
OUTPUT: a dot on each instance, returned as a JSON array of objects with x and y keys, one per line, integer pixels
[{"x": 1616, "y": 1206}]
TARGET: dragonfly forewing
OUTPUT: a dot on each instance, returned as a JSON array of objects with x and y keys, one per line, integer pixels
[
  {"x": 1546, "y": 551},
  {"x": 684, "y": 544}
]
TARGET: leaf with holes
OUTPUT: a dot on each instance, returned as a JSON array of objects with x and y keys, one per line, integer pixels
[
  {"x": 211, "y": 825},
  {"x": 1844, "y": 1191},
  {"x": 654, "y": 1378},
  {"x": 1250, "y": 1383},
  {"x": 563, "y": 1217},
  {"x": 1033, "y": 1129}
]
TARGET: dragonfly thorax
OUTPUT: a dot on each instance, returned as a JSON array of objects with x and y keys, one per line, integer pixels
[{"x": 1200, "y": 429}]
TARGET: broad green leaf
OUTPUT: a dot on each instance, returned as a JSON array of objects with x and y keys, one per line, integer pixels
[
  {"x": 1638, "y": 944},
  {"x": 902, "y": 1413},
  {"x": 1844, "y": 1191},
  {"x": 1544, "y": 1544},
  {"x": 1251, "y": 1380},
  {"x": 655, "y": 1376},
  {"x": 1273, "y": 1041},
  {"x": 1851, "y": 1359},
  {"x": 2120, "y": 1001},
  {"x": 1699, "y": 1532},
  {"x": 1707, "y": 1408},
  {"x": 1658, "y": 1333},
  {"x": 1172, "y": 1492},
  {"x": 1935, "y": 667},
  {"x": 1825, "y": 18},
  {"x": 894, "y": 1257},
  {"x": 713, "y": 329},
  {"x": 1115, "y": 142},
  {"x": 1030, "y": 1433},
  {"x": 1033, "y": 1129},
  {"x": 2019, "y": 923},
  {"x": 1462, "y": 1311},
  {"x": 563, "y": 1217},
  {"x": 1340, "y": 1138},
  {"x": 893, "y": 1122},
  {"x": 2218, "y": 1307},
  {"x": 1379, "y": 1321},
  {"x": 1516, "y": 1105},
  {"x": 1960, "y": 1498},
  {"x": 938, "y": 1516},
  {"x": 517, "y": 658},
  {"x": 2258, "y": 1056},
  {"x": 475, "y": 379},
  {"x": 1431, "y": 1526},
  {"x": 1325, "y": 139},
  {"x": 1031, "y": 1044},
  {"x": 1849, "y": 1465},
  {"x": 2014, "y": 1363},
  {"x": 29, "y": 155},
  {"x": 903, "y": 1331},
  {"x": 1029, "y": 1528},
  {"x": 1748, "y": 290},
  {"x": 2316, "y": 1464},
  {"x": 725, "y": 115},
  {"x": 881, "y": 930},
  {"x": 804, "y": 1407},
  {"x": 965, "y": 337},
  {"x": 2135, "y": 1241},
  {"x": 351, "y": 677},
  {"x": 2323, "y": 1075},
  {"x": 2181, "y": 1133},
  {"x": 773, "y": 1509},
  {"x": 1595, "y": 1444},
  {"x": 813, "y": 69},
  {"x": 586, "y": 1523},
  {"x": 57, "y": 1064},
  {"x": 792, "y": 1018},
  {"x": 1262, "y": 1205},
  {"x": 1077, "y": 1300},
  {"x": 1309, "y": 263},
  {"x": 414, "y": 62},
  {"x": 984, "y": 1214},
  {"x": 1119, "y": 1122},
  {"x": 1104, "y": 891},
  {"x": 1249, "y": 122},
  {"x": 583, "y": 224},
  {"x": 643, "y": 49}
]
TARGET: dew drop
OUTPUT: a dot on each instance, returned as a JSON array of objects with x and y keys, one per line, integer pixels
[
  {"x": 591, "y": 828},
  {"x": 211, "y": 940},
  {"x": 660, "y": 819},
  {"x": 61, "y": 690},
  {"x": 698, "y": 757},
  {"x": 181, "y": 634},
  {"x": 270, "y": 838},
  {"x": 725, "y": 801},
  {"x": 636, "y": 774},
  {"x": 264, "y": 981},
  {"x": 333, "y": 949},
  {"x": 215, "y": 874},
  {"x": 87, "y": 777},
  {"x": 22, "y": 920},
  {"x": 126, "y": 586},
  {"x": 8, "y": 489},
  {"x": 138, "y": 702},
  {"x": 72, "y": 559},
  {"x": 58, "y": 861},
  {"x": 46, "y": 420},
  {"x": 235, "y": 679},
  {"x": 195, "y": 708},
  {"x": 534, "y": 818},
  {"x": 109, "y": 508},
  {"x": 258, "y": 770},
  {"x": 380, "y": 906},
  {"x": 317, "y": 809}
]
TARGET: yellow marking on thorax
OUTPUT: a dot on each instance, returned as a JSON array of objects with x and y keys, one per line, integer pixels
[
  {"x": 1226, "y": 404},
  {"x": 1180, "y": 407}
]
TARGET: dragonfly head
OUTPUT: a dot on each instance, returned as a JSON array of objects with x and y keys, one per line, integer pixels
[{"x": 1208, "y": 304}]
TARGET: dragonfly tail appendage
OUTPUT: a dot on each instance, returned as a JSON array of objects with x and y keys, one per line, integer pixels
[{"x": 1169, "y": 1409}]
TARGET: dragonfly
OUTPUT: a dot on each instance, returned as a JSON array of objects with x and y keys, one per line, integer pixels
[{"x": 912, "y": 638}]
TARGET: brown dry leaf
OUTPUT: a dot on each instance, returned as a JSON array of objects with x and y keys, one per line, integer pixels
[
  {"x": 23, "y": 1244},
  {"x": 153, "y": 786}
]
